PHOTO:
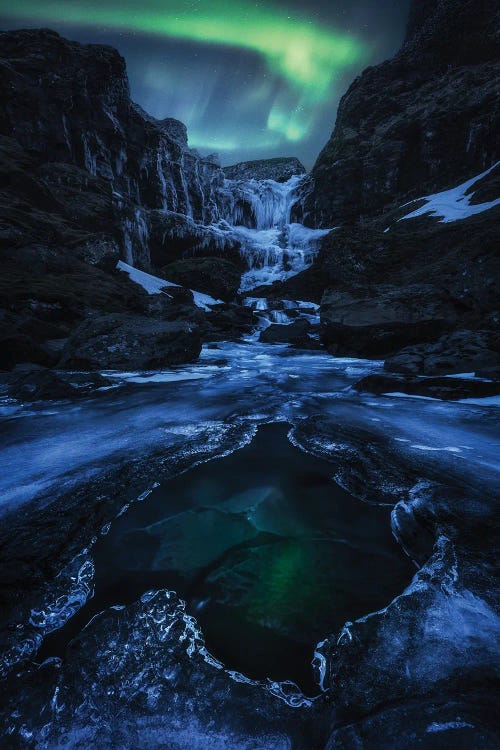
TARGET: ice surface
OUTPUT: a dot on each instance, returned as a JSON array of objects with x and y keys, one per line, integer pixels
[{"x": 483, "y": 401}]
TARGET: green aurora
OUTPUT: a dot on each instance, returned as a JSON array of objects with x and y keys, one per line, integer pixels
[{"x": 305, "y": 55}]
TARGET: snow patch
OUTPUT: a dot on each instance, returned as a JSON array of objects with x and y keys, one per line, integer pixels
[
  {"x": 154, "y": 285},
  {"x": 454, "y": 204},
  {"x": 443, "y": 727}
]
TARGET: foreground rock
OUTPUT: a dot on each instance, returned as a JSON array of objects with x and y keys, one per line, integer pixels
[
  {"x": 295, "y": 333},
  {"x": 461, "y": 351},
  {"x": 184, "y": 697},
  {"x": 47, "y": 385},
  {"x": 116, "y": 342},
  {"x": 432, "y": 647}
]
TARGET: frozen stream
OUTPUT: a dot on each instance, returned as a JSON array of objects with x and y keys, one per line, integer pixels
[
  {"x": 47, "y": 448},
  {"x": 264, "y": 546}
]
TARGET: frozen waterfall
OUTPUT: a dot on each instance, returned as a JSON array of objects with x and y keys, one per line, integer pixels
[{"x": 257, "y": 214}]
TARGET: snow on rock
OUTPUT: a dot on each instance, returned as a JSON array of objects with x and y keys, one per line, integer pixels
[
  {"x": 454, "y": 204},
  {"x": 155, "y": 285}
]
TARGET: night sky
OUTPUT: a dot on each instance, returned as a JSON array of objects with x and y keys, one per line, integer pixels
[{"x": 250, "y": 79}]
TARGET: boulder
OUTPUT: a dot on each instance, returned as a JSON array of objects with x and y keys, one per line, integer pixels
[
  {"x": 215, "y": 276},
  {"x": 227, "y": 322},
  {"x": 295, "y": 333},
  {"x": 47, "y": 385},
  {"x": 19, "y": 348},
  {"x": 460, "y": 351},
  {"x": 120, "y": 341},
  {"x": 380, "y": 324}
]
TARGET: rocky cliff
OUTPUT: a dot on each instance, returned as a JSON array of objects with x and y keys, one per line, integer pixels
[
  {"x": 88, "y": 178},
  {"x": 410, "y": 180},
  {"x": 70, "y": 103},
  {"x": 425, "y": 120}
]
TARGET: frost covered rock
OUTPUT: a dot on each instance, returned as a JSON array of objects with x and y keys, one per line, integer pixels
[
  {"x": 447, "y": 388},
  {"x": 142, "y": 677},
  {"x": 117, "y": 342}
]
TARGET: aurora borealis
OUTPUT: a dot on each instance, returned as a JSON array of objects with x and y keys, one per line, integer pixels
[{"x": 249, "y": 79}]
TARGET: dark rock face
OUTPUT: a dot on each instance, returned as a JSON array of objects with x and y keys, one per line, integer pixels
[
  {"x": 425, "y": 120},
  {"x": 172, "y": 236},
  {"x": 385, "y": 290},
  {"x": 382, "y": 324},
  {"x": 126, "y": 341},
  {"x": 294, "y": 333},
  {"x": 279, "y": 169},
  {"x": 71, "y": 103},
  {"x": 87, "y": 178},
  {"x": 461, "y": 351},
  {"x": 215, "y": 276}
]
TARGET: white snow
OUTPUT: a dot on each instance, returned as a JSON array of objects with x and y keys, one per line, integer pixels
[
  {"x": 449, "y": 449},
  {"x": 483, "y": 401},
  {"x": 154, "y": 285},
  {"x": 163, "y": 376},
  {"x": 454, "y": 204},
  {"x": 443, "y": 727}
]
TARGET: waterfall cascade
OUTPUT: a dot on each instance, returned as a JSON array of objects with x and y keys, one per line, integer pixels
[{"x": 257, "y": 214}]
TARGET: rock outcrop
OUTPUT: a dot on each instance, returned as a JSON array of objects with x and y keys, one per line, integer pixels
[
  {"x": 88, "y": 178},
  {"x": 117, "y": 342},
  {"x": 425, "y": 120},
  {"x": 415, "y": 137},
  {"x": 70, "y": 103},
  {"x": 279, "y": 169},
  {"x": 217, "y": 277}
]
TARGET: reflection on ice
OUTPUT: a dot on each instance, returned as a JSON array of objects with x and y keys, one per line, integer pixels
[{"x": 46, "y": 451}]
